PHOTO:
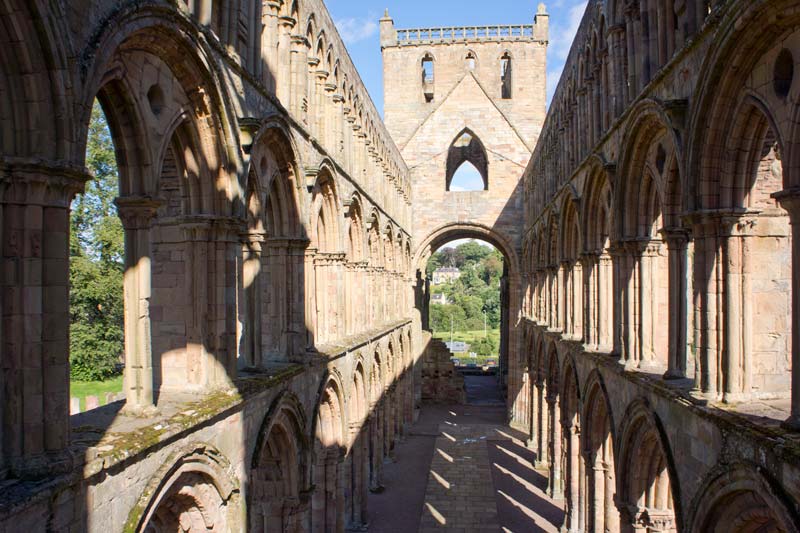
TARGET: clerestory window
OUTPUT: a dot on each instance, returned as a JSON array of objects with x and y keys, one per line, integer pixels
[
  {"x": 470, "y": 61},
  {"x": 505, "y": 76},
  {"x": 427, "y": 78}
]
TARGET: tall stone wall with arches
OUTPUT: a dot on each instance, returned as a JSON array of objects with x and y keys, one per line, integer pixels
[
  {"x": 270, "y": 360},
  {"x": 660, "y": 383}
]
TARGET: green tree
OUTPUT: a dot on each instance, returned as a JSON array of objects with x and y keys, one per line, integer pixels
[
  {"x": 97, "y": 252},
  {"x": 475, "y": 292},
  {"x": 486, "y": 346},
  {"x": 440, "y": 316},
  {"x": 473, "y": 251}
]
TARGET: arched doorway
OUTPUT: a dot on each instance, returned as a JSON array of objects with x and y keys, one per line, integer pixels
[{"x": 510, "y": 288}]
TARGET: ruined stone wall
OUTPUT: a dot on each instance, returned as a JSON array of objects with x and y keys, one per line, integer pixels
[
  {"x": 659, "y": 383},
  {"x": 267, "y": 290},
  {"x": 441, "y": 382},
  {"x": 462, "y": 115}
]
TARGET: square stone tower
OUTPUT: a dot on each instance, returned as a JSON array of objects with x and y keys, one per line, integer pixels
[
  {"x": 469, "y": 94},
  {"x": 507, "y": 63}
]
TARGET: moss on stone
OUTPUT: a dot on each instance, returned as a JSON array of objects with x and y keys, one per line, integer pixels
[{"x": 116, "y": 447}]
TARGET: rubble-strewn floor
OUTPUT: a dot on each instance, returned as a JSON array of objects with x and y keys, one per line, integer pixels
[{"x": 461, "y": 469}]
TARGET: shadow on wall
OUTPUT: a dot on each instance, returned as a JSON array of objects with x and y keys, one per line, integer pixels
[{"x": 234, "y": 277}]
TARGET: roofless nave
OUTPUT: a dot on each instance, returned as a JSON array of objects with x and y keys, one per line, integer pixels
[{"x": 275, "y": 228}]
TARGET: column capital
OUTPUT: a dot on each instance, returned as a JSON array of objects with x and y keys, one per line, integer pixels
[
  {"x": 299, "y": 42},
  {"x": 137, "y": 212},
  {"x": 29, "y": 182},
  {"x": 329, "y": 259},
  {"x": 790, "y": 201},
  {"x": 676, "y": 237},
  {"x": 288, "y": 22}
]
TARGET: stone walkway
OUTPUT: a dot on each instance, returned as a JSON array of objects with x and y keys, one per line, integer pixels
[{"x": 461, "y": 470}]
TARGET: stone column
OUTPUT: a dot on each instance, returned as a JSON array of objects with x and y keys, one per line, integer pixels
[
  {"x": 554, "y": 297},
  {"x": 331, "y": 114},
  {"x": 197, "y": 235},
  {"x": 311, "y": 108},
  {"x": 578, "y": 303},
  {"x": 351, "y": 298},
  {"x": 564, "y": 305},
  {"x": 533, "y": 437},
  {"x": 310, "y": 303},
  {"x": 583, "y": 490},
  {"x": 634, "y": 38},
  {"x": 320, "y": 77},
  {"x": 297, "y": 290},
  {"x": 677, "y": 243},
  {"x": 734, "y": 235},
  {"x": 591, "y": 298},
  {"x": 376, "y": 448},
  {"x": 619, "y": 264},
  {"x": 706, "y": 271},
  {"x": 285, "y": 60},
  {"x": 137, "y": 214},
  {"x": 597, "y": 497},
  {"x": 610, "y": 513},
  {"x": 647, "y": 295},
  {"x": 347, "y": 139},
  {"x": 556, "y": 491},
  {"x": 338, "y": 133},
  {"x": 298, "y": 88},
  {"x": 605, "y": 302},
  {"x": 573, "y": 478},
  {"x": 365, "y": 307},
  {"x": 790, "y": 201},
  {"x": 252, "y": 264},
  {"x": 34, "y": 361},
  {"x": 269, "y": 44},
  {"x": 358, "y": 504},
  {"x": 632, "y": 310},
  {"x": 617, "y": 36},
  {"x": 543, "y": 455}
]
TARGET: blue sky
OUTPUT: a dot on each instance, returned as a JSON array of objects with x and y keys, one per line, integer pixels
[{"x": 357, "y": 21}]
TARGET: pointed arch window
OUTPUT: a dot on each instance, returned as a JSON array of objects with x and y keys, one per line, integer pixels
[
  {"x": 467, "y": 164},
  {"x": 505, "y": 76},
  {"x": 470, "y": 60}
]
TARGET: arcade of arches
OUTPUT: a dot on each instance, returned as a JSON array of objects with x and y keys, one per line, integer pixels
[{"x": 275, "y": 228}]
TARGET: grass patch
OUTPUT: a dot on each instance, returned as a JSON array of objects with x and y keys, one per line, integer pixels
[
  {"x": 470, "y": 337},
  {"x": 82, "y": 389}
]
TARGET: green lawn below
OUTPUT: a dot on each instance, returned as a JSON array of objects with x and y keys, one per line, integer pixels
[
  {"x": 82, "y": 389},
  {"x": 470, "y": 337}
]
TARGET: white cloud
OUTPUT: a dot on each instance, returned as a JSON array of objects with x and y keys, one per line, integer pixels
[
  {"x": 561, "y": 37},
  {"x": 353, "y": 29}
]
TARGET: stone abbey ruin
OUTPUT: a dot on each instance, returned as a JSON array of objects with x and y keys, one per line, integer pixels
[{"x": 277, "y": 232}]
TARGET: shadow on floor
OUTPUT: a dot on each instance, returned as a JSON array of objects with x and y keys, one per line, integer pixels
[{"x": 519, "y": 490}]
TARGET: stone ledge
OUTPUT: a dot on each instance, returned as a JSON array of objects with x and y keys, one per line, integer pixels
[
  {"x": 783, "y": 443},
  {"x": 354, "y": 342}
]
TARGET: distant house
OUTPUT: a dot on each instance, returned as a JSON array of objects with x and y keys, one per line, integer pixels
[
  {"x": 458, "y": 346},
  {"x": 439, "y": 298},
  {"x": 445, "y": 275}
]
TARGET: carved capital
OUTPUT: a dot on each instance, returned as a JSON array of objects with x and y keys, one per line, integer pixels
[
  {"x": 137, "y": 212},
  {"x": 36, "y": 183}
]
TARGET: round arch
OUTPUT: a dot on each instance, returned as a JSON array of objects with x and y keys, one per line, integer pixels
[
  {"x": 739, "y": 498},
  {"x": 193, "y": 485},
  {"x": 464, "y": 230}
]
